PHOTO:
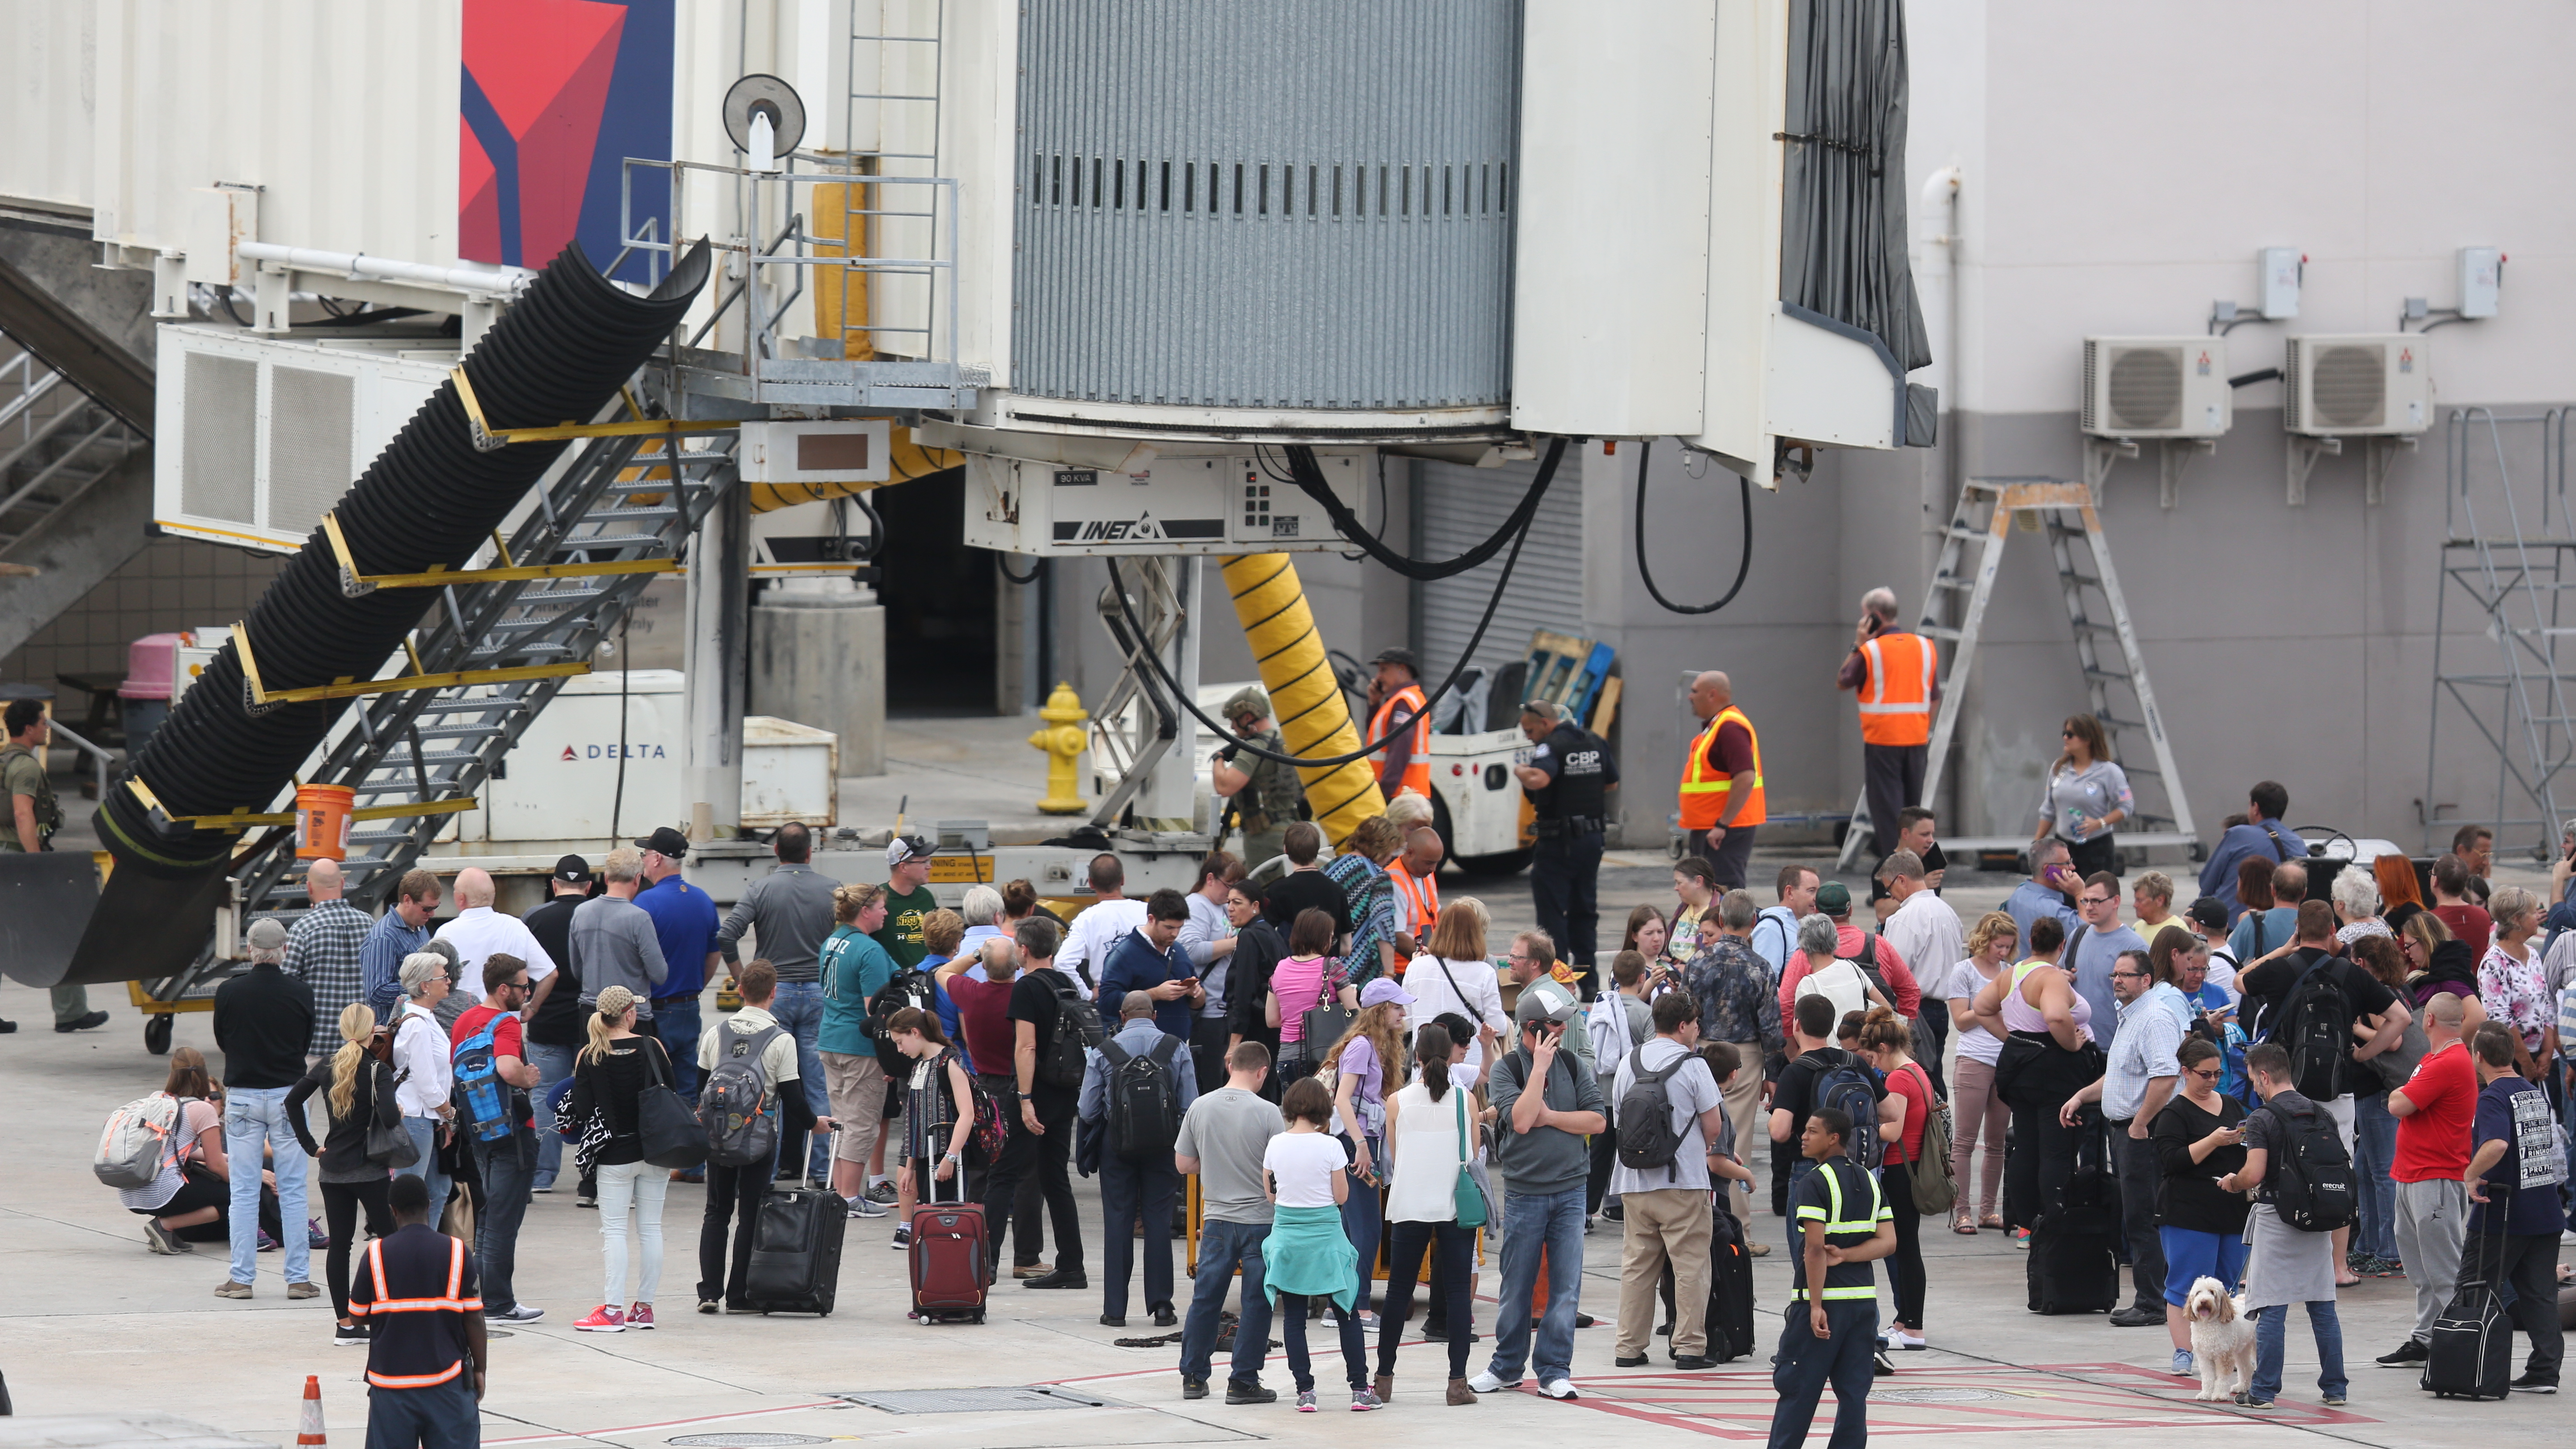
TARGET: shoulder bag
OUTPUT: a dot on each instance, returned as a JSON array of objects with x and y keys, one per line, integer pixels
[
  {"x": 1327, "y": 1019},
  {"x": 389, "y": 1142},
  {"x": 669, "y": 1127},
  {"x": 1935, "y": 1190},
  {"x": 1468, "y": 1194}
]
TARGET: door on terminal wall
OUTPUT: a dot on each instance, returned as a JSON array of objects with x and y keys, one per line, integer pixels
[
  {"x": 939, "y": 600},
  {"x": 1460, "y": 507}
]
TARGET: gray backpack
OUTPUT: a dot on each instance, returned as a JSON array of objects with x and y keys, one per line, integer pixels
[
  {"x": 140, "y": 1136},
  {"x": 742, "y": 1130}
]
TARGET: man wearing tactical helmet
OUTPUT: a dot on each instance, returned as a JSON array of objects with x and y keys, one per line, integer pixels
[{"x": 1267, "y": 795}]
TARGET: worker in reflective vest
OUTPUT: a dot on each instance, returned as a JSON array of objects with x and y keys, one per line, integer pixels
[
  {"x": 1721, "y": 794},
  {"x": 1896, "y": 676},
  {"x": 426, "y": 1350},
  {"x": 1416, "y": 877},
  {"x": 1396, "y": 701}
]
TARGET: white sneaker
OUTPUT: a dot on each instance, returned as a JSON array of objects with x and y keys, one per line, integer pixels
[
  {"x": 1911, "y": 1341},
  {"x": 1486, "y": 1383},
  {"x": 1559, "y": 1389}
]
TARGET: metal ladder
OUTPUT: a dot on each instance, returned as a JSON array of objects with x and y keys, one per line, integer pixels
[
  {"x": 2121, "y": 695},
  {"x": 2518, "y": 583}
]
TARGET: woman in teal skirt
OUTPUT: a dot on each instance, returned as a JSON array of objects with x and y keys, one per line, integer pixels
[{"x": 1307, "y": 1255}]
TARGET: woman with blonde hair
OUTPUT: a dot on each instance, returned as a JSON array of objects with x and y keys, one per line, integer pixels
[
  {"x": 1983, "y": 1119},
  {"x": 357, "y": 1087},
  {"x": 609, "y": 1079},
  {"x": 1368, "y": 1063},
  {"x": 2086, "y": 798}
]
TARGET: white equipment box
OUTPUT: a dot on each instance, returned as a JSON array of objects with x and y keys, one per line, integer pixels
[{"x": 1175, "y": 505}]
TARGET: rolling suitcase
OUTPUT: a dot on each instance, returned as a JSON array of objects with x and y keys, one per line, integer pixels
[
  {"x": 2073, "y": 1272},
  {"x": 796, "y": 1251},
  {"x": 2470, "y": 1352},
  {"x": 951, "y": 1259},
  {"x": 1730, "y": 1289}
]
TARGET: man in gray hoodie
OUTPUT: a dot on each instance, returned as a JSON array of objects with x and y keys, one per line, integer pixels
[
  {"x": 612, "y": 938},
  {"x": 1546, "y": 1104}
]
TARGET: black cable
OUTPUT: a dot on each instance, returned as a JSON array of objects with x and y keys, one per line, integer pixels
[
  {"x": 2248, "y": 379},
  {"x": 1744, "y": 566},
  {"x": 1309, "y": 479},
  {"x": 1118, "y": 589},
  {"x": 1002, "y": 561}
]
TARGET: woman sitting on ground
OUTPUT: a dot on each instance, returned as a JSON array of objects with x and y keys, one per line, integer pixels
[{"x": 191, "y": 1201}]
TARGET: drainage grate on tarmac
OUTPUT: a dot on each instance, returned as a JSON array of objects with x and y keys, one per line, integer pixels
[
  {"x": 745, "y": 1441},
  {"x": 976, "y": 1401},
  {"x": 1936, "y": 1396}
]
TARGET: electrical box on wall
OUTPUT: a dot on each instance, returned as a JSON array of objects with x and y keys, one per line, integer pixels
[
  {"x": 2369, "y": 385},
  {"x": 2481, "y": 279},
  {"x": 852, "y": 451},
  {"x": 1222, "y": 504},
  {"x": 2281, "y": 269},
  {"x": 2156, "y": 387}
]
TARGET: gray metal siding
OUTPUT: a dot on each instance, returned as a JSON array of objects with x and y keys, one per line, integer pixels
[
  {"x": 1461, "y": 507},
  {"x": 1291, "y": 286}
]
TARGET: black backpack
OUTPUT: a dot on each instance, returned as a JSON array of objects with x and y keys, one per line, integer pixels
[
  {"x": 1144, "y": 1109},
  {"x": 2314, "y": 1025},
  {"x": 1867, "y": 960},
  {"x": 1848, "y": 1088},
  {"x": 1077, "y": 1033},
  {"x": 1645, "y": 1121},
  {"x": 913, "y": 989},
  {"x": 2313, "y": 1187}
]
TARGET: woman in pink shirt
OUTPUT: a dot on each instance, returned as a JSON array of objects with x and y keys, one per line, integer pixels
[{"x": 1310, "y": 976}]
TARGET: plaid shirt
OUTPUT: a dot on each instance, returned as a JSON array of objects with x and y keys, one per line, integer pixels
[
  {"x": 1736, "y": 1002},
  {"x": 323, "y": 951},
  {"x": 1371, "y": 897}
]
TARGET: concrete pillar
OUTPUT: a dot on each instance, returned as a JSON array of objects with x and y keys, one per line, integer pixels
[
  {"x": 818, "y": 658},
  {"x": 719, "y": 598}
]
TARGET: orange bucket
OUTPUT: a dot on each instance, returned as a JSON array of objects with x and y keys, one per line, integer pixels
[{"x": 322, "y": 821}]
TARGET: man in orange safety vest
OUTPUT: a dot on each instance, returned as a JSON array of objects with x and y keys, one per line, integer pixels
[
  {"x": 1896, "y": 676},
  {"x": 1721, "y": 791},
  {"x": 1397, "y": 706}
]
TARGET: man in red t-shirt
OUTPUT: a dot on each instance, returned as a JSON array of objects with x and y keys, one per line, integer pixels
[
  {"x": 984, "y": 1012},
  {"x": 2435, "y": 1111},
  {"x": 508, "y": 1163}
]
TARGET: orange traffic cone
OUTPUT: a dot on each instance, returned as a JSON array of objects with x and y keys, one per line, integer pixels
[{"x": 308, "y": 1423}]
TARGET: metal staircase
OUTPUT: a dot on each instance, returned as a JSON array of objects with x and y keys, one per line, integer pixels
[
  {"x": 2115, "y": 683},
  {"x": 54, "y": 443}
]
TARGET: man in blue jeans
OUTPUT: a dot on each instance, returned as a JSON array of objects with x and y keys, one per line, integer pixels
[
  {"x": 1546, "y": 1105},
  {"x": 686, "y": 921},
  {"x": 263, "y": 1022},
  {"x": 507, "y": 1160},
  {"x": 1830, "y": 1333},
  {"x": 1222, "y": 1142},
  {"x": 789, "y": 915},
  {"x": 2285, "y": 1265}
]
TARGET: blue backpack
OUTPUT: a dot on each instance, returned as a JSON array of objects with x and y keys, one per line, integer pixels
[{"x": 482, "y": 1099}]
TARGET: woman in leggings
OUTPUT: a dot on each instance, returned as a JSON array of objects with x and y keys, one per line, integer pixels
[{"x": 357, "y": 1090}]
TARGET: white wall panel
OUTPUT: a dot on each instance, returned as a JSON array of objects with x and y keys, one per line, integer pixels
[{"x": 48, "y": 102}]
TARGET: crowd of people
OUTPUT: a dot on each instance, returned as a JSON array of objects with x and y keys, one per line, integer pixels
[{"x": 1361, "y": 1078}]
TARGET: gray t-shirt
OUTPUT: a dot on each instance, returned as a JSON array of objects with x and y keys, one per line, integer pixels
[
  {"x": 1227, "y": 1131},
  {"x": 613, "y": 943},
  {"x": 1692, "y": 1090},
  {"x": 2095, "y": 953},
  {"x": 2087, "y": 794}
]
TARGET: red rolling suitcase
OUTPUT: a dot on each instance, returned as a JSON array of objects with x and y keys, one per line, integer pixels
[{"x": 952, "y": 1259}]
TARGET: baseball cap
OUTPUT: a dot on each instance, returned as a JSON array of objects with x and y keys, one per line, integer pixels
[
  {"x": 667, "y": 842},
  {"x": 1398, "y": 656},
  {"x": 1545, "y": 1000},
  {"x": 572, "y": 870},
  {"x": 265, "y": 934},
  {"x": 1834, "y": 898},
  {"x": 1384, "y": 990},
  {"x": 906, "y": 847},
  {"x": 2208, "y": 911}
]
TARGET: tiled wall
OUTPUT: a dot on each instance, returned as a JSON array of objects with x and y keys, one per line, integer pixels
[{"x": 173, "y": 584}]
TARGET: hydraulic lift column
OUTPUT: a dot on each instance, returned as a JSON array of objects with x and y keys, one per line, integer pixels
[{"x": 719, "y": 609}]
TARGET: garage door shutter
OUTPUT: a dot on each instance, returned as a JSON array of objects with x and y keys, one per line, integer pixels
[{"x": 1460, "y": 508}]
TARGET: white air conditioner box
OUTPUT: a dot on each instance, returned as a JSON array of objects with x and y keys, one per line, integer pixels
[
  {"x": 258, "y": 437},
  {"x": 1178, "y": 504},
  {"x": 2156, "y": 387},
  {"x": 2358, "y": 386}
]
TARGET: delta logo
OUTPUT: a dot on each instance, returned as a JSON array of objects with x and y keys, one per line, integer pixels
[{"x": 610, "y": 752}]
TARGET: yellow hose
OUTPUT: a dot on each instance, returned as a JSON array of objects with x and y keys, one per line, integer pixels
[{"x": 1304, "y": 696}]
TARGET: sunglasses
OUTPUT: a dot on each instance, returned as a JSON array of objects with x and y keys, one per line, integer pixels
[{"x": 2206, "y": 1074}]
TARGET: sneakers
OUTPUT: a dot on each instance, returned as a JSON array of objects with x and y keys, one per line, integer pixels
[
  {"x": 1025, "y": 1271},
  {"x": 1484, "y": 1383},
  {"x": 515, "y": 1313},
  {"x": 2533, "y": 1383},
  {"x": 1249, "y": 1394},
  {"x": 902, "y": 1238},
  {"x": 267, "y": 1244},
  {"x": 1758, "y": 1249},
  {"x": 860, "y": 1207},
  {"x": 2021, "y": 1239},
  {"x": 1305, "y": 1401},
  {"x": 303, "y": 1290},
  {"x": 160, "y": 1239},
  {"x": 2248, "y": 1401},
  {"x": 710, "y": 1305},
  {"x": 314, "y": 1237},
  {"x": 1193, "y": 1388},
  {"x": 2410, "y": 1354},
  {"x": 1363, "y": 1400},
  {"x": 230, "y": 1289},
  {"x": 1906, "y": 1342},
  {"x": 883, "y": 1193},
  {"x": 1559, "y": 1389},
  {"x": 349, "y": 1335},
  {"x": 2182, "y": 1366},
  {"x": 640, "y": 1316},
  {"x": 1880, "y": 1363},
  {"x": 2137, "y": 1315},
  {"x": 604, "y": 1319}
]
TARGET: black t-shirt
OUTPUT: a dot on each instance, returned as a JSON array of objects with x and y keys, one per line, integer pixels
[
  {"x": 1796, "y": 1093},
  {"x": 1300, "y": 889},
  {"x": 2187, "y": 1194},
  {"x": 1579, "y": 773},
  {"x": 2268, "y": 986},
  {"x": 1033, "y": 1000},
  {"x": 1257, "y": 949},
  {"x": 614, "y": 1086},
  {"x": 1933, "y": 861},
  {"x": 559, "y": 1019}
]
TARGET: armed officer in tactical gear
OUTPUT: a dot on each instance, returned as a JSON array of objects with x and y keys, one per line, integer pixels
[
  {"x": 1267, "y": 795},
  {"x": 34, "y": 816},
  {"x": 1567, "y": 780}
]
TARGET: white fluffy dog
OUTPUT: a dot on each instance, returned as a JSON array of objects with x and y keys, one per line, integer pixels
[{"x": 2222, "y": 1339}]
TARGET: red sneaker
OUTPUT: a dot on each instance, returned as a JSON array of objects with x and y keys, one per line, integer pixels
[
  {"x": 640, "y": 1316},
  {"x": 603, "y": 1319}
]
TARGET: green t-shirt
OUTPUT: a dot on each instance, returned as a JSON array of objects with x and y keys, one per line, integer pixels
[
  {"x": 22, "y": 774},
  {"x": 901, "y": 934}
]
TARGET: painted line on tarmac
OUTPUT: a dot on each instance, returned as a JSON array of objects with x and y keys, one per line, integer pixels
[{"x": 601, "y": 1434}]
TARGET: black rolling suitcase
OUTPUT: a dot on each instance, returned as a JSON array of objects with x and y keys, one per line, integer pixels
[
  {"x": 796, "y": 1251},
  {"x": 2073, "y": 1272},
  {"x": 1730, "y": 1289},
  {"x": 2470, "y": 1352}
]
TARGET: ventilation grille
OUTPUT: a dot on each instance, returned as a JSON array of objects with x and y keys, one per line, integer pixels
[
  {"x": 217, "y": 452},
  {"x": 2351, "y": 385},
  {"x": 309, "y": 466},
  {"x": 2145, "y": 389}
]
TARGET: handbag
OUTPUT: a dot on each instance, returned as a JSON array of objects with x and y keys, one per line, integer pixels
[
  {"x": 666, "y": 1122},
  {"x": 389, "y": 1144},
  {"x": 1467, "y": 1194},
  {"x": 1325, "y": 1021}
]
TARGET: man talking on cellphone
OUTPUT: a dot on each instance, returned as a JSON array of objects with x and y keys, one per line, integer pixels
[{"x": 1150, "y": 959}]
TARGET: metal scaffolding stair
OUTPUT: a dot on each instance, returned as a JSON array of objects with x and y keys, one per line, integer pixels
[
  {"x": 2115, "y": 683},
  {"x": 54, "y": 443}
]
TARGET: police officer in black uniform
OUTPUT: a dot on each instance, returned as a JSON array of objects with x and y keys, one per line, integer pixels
[{"x": 1568, "y": 780}]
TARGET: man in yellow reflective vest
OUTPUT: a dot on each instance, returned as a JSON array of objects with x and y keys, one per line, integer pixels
[
  {"x": 1398, "y": 706},
  {"x": 1895, "y": 674},
  {"x": 1721, "y": 793}
]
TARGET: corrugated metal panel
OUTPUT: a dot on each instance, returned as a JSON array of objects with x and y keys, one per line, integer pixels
[
  {"x": 1224, "y": 204},
  {"x": 345, "y": 114},
  {"x": 1460, "y": 508},
  {"x": 48, "y": 102}
]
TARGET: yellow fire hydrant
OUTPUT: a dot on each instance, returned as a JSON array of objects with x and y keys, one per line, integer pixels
[{"x": 1064, "y": 740}]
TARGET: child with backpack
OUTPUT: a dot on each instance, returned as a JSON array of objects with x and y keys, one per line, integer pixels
[
  {"x": 2303, "y": 1187},
  {"x": 749, "y": 1106}
]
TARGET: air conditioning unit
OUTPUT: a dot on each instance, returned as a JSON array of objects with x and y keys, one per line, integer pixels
[
  {"x": 2156, "y": 387},
  {"x": 2370, "y": 385}
]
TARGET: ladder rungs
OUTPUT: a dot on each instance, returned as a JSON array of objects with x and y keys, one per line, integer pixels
[
  {"x": 2069, "y": 576},
  {"x": 1938, "y": 631},
  {"x": 1945, "y": 581}
]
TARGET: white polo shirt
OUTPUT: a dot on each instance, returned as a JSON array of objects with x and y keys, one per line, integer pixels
[{"x": 480, "y": 931}]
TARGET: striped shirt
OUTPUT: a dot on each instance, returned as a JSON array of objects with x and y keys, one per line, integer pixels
[
  {"x": 324, "y": 951},
  {"x": 1371, "y": 898}
]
